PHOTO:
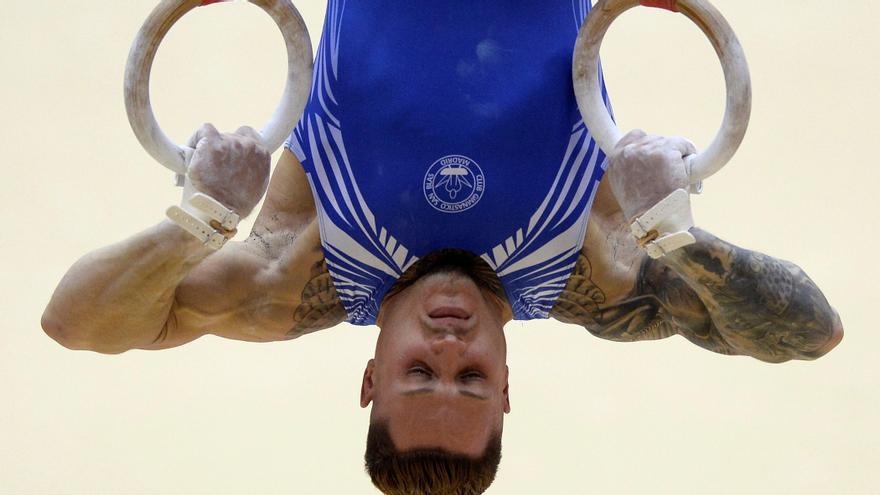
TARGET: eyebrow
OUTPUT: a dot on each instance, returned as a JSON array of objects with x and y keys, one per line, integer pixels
[{"x": 428, "y": 390}]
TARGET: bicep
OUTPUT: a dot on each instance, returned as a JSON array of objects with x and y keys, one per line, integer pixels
[{"x": 218, "y": 297}]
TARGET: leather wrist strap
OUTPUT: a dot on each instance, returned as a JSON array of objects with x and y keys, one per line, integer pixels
[
  {"x": 664, "y": 228},
  {"x": 210, "y": 221}
]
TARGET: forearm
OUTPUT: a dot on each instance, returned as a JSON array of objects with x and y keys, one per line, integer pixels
[
  {"x": 761, "y": 306},
  {"x": 120, "y": 297}
]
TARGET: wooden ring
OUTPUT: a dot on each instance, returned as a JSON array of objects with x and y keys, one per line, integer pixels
[
  {"x": 143, "y": 52},
  {"x": 588, "y": 88}
]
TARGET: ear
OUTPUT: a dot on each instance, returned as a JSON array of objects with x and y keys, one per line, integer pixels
[
  {"x": 367, "y": 384},
  {"x": 506, "y": 390}
]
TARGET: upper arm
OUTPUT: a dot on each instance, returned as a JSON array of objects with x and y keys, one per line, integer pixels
[{"x": 264, "y": 288}]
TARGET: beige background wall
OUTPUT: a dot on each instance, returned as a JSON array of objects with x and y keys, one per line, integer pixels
[{"x": 221, "y": 417}]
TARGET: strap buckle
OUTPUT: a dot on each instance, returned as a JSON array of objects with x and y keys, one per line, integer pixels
[
  {"x": 217, "y": 223},
  {"x": 648, "y": 228}
]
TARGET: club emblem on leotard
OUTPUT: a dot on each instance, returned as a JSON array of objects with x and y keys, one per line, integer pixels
[{"x": 454, "y": 184}]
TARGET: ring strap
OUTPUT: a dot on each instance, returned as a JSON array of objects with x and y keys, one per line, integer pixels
[{"x": 660, "y": 4}]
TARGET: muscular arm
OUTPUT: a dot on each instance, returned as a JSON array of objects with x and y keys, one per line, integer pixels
[
  {"x": 719, "y": 296},
  {"x": 761, "y": 306},
  {"x": 161, "y": 288}
]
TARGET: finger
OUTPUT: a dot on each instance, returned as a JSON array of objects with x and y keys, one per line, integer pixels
[
  {"x": 249, "y": 132},
  {"x": 683, "y": 145},
  {"x": 630, "y": 138},
  {"x": 206, "y": 130}
]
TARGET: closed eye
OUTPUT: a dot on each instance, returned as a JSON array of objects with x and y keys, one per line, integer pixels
[
  {"x": 420, "y": 371},
  {"x": 471, "y": 375}
]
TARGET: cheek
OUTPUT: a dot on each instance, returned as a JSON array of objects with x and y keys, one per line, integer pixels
[
  {"x": 492, "y": 358},
  {"x": 495, "y": 346},
  {"x": 397, "y": 324}
]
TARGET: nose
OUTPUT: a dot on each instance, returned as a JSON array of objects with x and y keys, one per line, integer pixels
[{"x": 448, "y": 346}]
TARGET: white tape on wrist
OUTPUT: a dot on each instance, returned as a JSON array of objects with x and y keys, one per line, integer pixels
[
  {"x": 664, "y": 228},
  {"x": 197, "y": 220}
]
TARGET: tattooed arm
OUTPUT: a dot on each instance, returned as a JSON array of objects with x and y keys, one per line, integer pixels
[
  {"x": 719, "y": 296},
  {"x": 761, "y": 306}
]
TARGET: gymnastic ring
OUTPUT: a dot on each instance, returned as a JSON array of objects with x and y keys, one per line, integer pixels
[
  {"x": 736, "y": 75},
  {"x": 140, "y": 61}
]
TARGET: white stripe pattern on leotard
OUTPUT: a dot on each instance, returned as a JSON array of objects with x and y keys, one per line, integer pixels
[
  {"x": 533, "y": 263},
  {"x": 360, "y": 266}
]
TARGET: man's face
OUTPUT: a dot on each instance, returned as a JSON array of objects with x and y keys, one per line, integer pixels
[{"x": 439, "y": 376}]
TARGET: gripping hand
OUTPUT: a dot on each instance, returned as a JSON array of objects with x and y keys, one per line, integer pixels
[
  {"x": 649, "y": 179},
  {"x": 226, "y": 177}
]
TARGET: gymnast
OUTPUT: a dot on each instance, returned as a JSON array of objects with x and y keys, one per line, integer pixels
[{"x": 440, "y": 183}]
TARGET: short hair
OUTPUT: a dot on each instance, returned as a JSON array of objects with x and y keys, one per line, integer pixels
[{"x": 427, "y": 471}]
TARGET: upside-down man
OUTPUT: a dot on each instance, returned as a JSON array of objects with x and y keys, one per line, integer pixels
[{"x": 440, "y": 184}]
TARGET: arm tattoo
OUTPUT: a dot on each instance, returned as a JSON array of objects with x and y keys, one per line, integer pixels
[
  {"x": 660, "y": 305},
  {"x": 319, "y": 306},
  {"x": 721, "y": 297},
  {"x": 763, "y": 307},
  {"x": 584, "y": 303}
]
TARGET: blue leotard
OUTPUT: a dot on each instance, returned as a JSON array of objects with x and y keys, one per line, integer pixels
[{"x": 449, "y": 124}]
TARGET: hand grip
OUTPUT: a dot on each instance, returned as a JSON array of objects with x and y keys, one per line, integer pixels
[
  {"x": 140, "y": 61},
  {"x": 733, "y": 61}
]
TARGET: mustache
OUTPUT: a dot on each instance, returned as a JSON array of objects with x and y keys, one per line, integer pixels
[{"x": 452, "y": 261}]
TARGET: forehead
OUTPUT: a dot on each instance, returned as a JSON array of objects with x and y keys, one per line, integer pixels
[
  {"x": 440, "y": 406},
  {"x": 461, "y": 424}
]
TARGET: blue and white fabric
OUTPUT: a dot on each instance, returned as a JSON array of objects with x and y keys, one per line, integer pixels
[{"x": 449, "y": 124}]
